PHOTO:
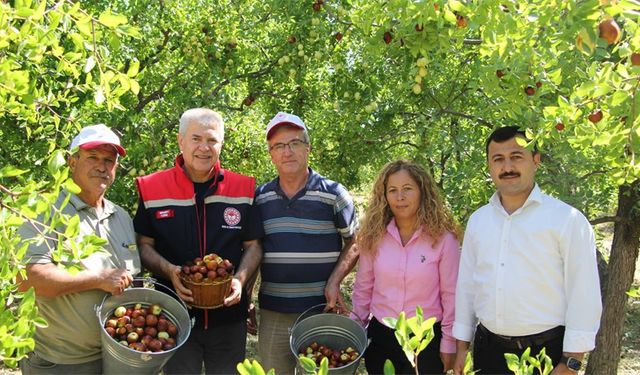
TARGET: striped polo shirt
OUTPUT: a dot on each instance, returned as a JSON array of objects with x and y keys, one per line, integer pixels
[{"x": 303, "y": 239}]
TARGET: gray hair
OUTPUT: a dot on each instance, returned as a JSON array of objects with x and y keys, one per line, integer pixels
[
  {"x": 203, "y": 116},
  {"x": 305, "y": 136}
]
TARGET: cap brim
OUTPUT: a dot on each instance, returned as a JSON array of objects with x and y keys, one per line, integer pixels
[
  {"x": 94, "y": 144},
  {"x": 274, "y": 126}
]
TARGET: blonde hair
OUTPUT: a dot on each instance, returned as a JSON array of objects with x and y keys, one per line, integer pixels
[{"x": 432, "y": 213}]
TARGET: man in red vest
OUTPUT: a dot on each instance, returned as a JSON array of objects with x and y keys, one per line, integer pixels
[{"x": 192, "y": 209}]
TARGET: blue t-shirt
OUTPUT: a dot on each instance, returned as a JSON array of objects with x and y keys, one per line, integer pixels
[{"x": 303, "y": 239}]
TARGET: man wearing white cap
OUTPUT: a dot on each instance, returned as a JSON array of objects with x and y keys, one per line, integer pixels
[
  {"x": 309, "y": 223},
  {"x": 71, "y": 342}
]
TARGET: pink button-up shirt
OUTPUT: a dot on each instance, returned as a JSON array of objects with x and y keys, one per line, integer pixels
[{"x": 399, "y": 278}]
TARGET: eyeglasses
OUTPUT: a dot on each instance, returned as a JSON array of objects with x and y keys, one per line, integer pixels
[{"x": 294, "y": 145}]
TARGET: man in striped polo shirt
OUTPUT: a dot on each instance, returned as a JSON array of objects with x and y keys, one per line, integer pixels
[{"x": 309, "y": 223}]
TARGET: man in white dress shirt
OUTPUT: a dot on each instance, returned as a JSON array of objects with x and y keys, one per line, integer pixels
[{"x": 528, "y": 274}]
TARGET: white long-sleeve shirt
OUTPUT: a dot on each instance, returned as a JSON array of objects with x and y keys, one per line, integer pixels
[{"x": 528, "y": 272}]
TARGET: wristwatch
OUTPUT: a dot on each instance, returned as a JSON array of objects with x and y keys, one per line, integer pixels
[{"x": 572, "y": 364}]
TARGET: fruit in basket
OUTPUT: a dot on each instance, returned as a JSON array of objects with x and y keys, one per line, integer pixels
[
  {"x": 337, "y": 358},
  {"x": 142, "y": 329},
  {"x": 209, "y": 279},
  {"x": 207, "y": 269}
]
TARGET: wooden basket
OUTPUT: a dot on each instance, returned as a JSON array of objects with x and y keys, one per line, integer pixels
[{"x": 208, "y": 294}]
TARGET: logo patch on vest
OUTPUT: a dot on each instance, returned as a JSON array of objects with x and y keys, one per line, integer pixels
[
  {"x": 231, "y": 216},
  {"x": 164, "y": 214}
]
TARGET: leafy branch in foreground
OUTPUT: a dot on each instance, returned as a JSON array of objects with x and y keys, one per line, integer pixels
[
  {"x": 413, "y": 334},
  {"x": 527, "y": 364}
]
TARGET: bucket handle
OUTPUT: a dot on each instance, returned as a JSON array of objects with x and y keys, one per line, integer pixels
[
  {"x": 302, "y": 315},
  {"x": 145, "y": 280}
]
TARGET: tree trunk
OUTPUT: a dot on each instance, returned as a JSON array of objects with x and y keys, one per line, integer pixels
[{"x": 624, "y": 253}]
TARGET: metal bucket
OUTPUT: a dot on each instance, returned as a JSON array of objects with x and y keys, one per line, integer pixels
[
  {"x": 333, "y": 330},
  {"x": 119, "y": 359}
]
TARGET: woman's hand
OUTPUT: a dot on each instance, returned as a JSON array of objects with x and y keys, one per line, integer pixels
[{"x": 448, "y": 359}]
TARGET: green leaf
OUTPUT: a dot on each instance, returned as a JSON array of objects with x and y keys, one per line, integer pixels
[
  {"x": 133, "y": 68},
  {"x": 84, "y": 26},
  {"x": 40, "y": 322},
  {"x": 468, "y": 363},
  {"x": 585, "y": 89},
  {"x": 39, "y": 12},
  {"x": 603, "y": 139},
  {"x": 513, "y": 362},
  {"x": 555, "y": 76},
  {"x": 456, "y": 5},
  {"x": 449, "y": 16},
  {"x": 131, "y": 31},
  {"x": 308, "y": 364},
  {"x": 56, "y": 161},
  {"x": 70, "y": 186},
  {"x": 98, "y": 96},
  {"x": 244, "y": 368},
  {"x": 324, "y": 366},
  {"x": 111, "y": 20},
  {"x": 135, "y": 86},
  {"x": 88, "y": 66},
  {"x": 24, "y": 12},
  {"x": 601, "y": 90},
  {"x": 619, "y": 97},
  {"x": 11, "y": 171},
  {"x": 390, "y": 322},
  {"x": 388, "y": 368}
]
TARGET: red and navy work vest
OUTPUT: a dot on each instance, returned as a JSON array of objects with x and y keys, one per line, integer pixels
[{"x": 168, "y": 213}]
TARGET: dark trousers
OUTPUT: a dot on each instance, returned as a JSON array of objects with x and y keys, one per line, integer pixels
[
  {"x": 384, "y": 345},
  {"x": 489, "y": 349},
  {"x": 220, "y": 348}
]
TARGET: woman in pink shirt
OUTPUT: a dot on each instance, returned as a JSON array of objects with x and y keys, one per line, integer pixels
[{"x": 409, "y": 254}]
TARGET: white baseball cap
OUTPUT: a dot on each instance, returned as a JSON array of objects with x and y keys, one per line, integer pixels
[
  {"x": 283, "y": 118},
  {"x": 95, "y": 135}
]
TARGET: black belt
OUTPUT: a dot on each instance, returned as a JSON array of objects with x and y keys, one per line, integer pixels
[{"x": 522, "y": 342}]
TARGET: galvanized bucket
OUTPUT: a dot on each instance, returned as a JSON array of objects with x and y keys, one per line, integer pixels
[
  {"x": 119, "y": 359},
  {"x": 333, "y": 330}
]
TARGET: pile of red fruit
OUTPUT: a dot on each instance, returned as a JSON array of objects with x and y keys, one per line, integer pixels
[
  {"x": 337, "y": 358},
  {"x": 142, "y": 329},
  {"x": 207, "y": 269}
]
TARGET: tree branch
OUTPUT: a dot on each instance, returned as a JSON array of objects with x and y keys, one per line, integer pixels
[
  {"x": 157, "y": 94},
  {"x": 256, "y": 74},
  {"x": 470, "y": 117},
  {"x": 605, "y": 219}
]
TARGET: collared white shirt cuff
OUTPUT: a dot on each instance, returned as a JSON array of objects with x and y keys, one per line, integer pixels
[
  {"x": 578, "y": 341},
  {"x": 463, "y": 332}
]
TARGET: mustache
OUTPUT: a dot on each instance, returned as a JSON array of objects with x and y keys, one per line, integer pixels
[
  {"x": 509, "y": 174},
  {"x": 100, "y": 175}
]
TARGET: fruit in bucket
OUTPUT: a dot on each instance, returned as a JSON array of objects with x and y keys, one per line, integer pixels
[
  {"x": 337, "y": 358},
  {"x": 142, "y": 329}
]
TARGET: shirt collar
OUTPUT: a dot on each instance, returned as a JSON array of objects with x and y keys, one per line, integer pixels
[
  {"x": 79, "y": 205},
  {"x": 534, "y": 197},
  {"x": 392, "y": 229},
  {"x": 218, "y": 173},
  {"x": 313, "y": 183}
]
